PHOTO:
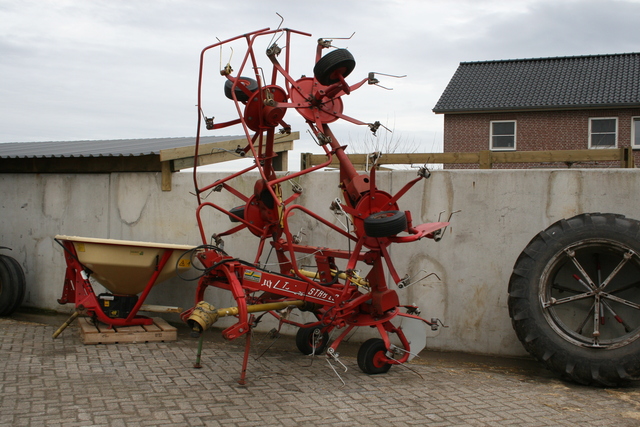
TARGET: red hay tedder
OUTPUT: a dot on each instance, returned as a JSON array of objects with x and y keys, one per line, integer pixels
[{"x": 334, "y": 291}]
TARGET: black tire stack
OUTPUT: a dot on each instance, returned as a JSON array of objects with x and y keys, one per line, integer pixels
[{"x": 12, "y": 285}]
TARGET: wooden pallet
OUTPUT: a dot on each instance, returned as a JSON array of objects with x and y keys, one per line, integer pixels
[{"x": 102, "y": 334}]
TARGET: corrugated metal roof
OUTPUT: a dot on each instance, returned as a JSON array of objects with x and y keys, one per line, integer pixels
[
  {"x": 560, "y": 82},
  {"x": 100, "y": 148}
]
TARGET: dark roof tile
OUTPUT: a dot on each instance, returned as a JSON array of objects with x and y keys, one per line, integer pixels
[{"x": 560, "y": 82}]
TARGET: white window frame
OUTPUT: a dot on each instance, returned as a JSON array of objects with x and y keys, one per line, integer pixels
[
  {"x": 515, "y": 135},
  {"x": 615, "y": 144},
  {"x": 635, "y": 120}
]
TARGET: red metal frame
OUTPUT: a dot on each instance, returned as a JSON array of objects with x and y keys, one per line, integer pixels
[
  {"x": 338, "y": 302},
  {"x": 78, "y": 290}
]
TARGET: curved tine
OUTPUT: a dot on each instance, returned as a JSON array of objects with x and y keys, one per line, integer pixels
[
  {"x": 339, "y": 38},
  {"x": 279, "y": 27}
]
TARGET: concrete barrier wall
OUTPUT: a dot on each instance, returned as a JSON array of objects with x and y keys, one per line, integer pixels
[{"x": 501, "y": 210}]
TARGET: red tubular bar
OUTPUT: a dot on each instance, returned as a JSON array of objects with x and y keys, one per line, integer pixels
[
  {"x": 152, "y": 281},
  {"x": 199, "y": 124}
]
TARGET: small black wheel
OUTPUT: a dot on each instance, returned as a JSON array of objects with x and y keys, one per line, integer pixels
[
  {"x": 574, "y": 298},
  {"x": 385, "y": 223},
  {"x": 237, "y": 211},
  {"x": 12, "y": 285},
  {"x": 336, "y": 63},
  {"x": 372, "y": 357},
  {"x": 311, "y": 340},
  {"x": 247, "y": 82}
]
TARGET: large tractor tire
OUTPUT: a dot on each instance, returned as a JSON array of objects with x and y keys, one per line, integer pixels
[
  {"x": 574, "y": 298},
  {"x": 12, "y": 285}
]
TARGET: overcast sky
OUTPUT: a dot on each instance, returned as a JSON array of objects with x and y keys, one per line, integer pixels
[{"x": 112, "y": 69}]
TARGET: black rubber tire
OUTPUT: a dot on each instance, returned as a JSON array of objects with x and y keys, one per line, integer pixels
[
  {"x": 337, "y": 62},
  {"x": 385, "y": 223},
  {"x": 8, "y": 291},
  {"x": 12, "y": 285},
  {"x": 553, "y": 313},
  {"x": 305, "y": 340},
  {"x": 20, "y": 280},
  {"x": 241, "y": 96},
  {"x": 371, "y": 355},
  {"x": 237, "y": 211}
]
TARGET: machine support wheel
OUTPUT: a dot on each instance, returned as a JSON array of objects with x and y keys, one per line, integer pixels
[
  {"x": 311, "y": 340},
  {"x": 574, "y": 298},
  {"x": 385, "y": 223},
  {"x": 372, "y": 357},
  {"x": 336, "y": 63},
  {"x": 249, "y": 83}
]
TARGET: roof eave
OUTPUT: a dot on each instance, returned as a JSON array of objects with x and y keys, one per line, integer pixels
[{"x": 536, "y": 108}]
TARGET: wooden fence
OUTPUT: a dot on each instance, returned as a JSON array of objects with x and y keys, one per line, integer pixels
[{"x": 485, "y": 159}]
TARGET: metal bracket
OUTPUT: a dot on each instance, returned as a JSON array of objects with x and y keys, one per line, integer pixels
[
  {"x": 435, "y": 323},
  {"x": 336, "y": 208},
  {"x": 374, "y": 81},
  {"x": 408, "y": 281},
  {"x": 373, "y": 127},
  {"x": 274, "y": 49},
  {"x": 326, "y": 43},
  {"x": 297, "y": 238},
  {"x": 375, "y": 156},
  {"x": 323, "y": 139},
  {"x": 218, "y": 241},
  {"x": 295, "y": 187},
  {"x": 439, "y": 234}
]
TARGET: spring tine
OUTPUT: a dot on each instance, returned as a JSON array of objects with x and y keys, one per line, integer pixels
[
  {"x": 336, "y": 372},
  {"x": 404, "y": 365}
]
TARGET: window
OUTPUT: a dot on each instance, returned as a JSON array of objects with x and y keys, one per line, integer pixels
[
  {"x": 635, "y": 132},
  {"x": 603, "y": 133},
  {"x": 503, "y": 135}
]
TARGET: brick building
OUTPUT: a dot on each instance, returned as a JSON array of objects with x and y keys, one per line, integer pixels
[{"x": 562, "y": 103}]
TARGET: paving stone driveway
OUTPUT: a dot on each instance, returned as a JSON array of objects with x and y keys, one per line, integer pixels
[{"x": 46, "y": 382}]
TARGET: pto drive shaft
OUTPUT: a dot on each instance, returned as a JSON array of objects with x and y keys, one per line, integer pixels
[{"x": 204, "y": 314}]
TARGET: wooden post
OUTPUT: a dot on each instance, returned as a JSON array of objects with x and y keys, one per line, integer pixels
[
  {"x": 627, "y": 158},
  {"x": 281, "y": 161},
  {"x": 485, "y": 160},
  {"x": 166, "y": 175},
  {"x": 305, "y": 161}
]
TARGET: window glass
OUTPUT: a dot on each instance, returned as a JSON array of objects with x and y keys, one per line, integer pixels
[
  {"x": 603, "y": 133},
  {"x": 503, "y": 135},
  {"x": 635, "y": 132}
]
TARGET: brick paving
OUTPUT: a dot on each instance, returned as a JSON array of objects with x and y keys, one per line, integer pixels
[{"x": 46, "y": 382}]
